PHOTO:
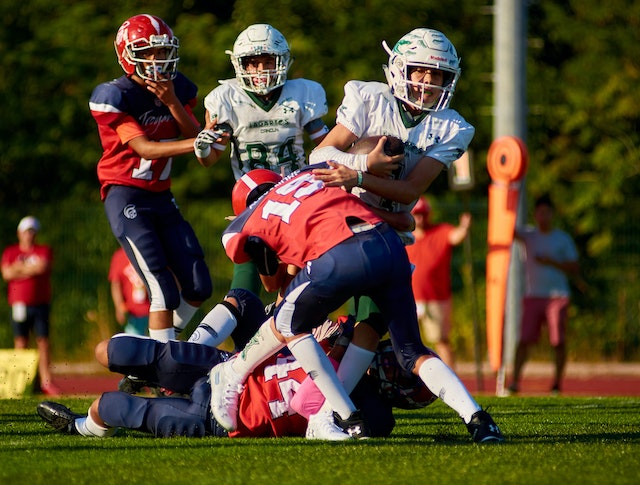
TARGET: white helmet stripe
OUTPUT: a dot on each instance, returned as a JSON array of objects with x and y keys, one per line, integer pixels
[{"x": 246, "y": 178}]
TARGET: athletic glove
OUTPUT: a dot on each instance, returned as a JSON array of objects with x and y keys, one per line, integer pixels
[{"x": 203, "y": 142}]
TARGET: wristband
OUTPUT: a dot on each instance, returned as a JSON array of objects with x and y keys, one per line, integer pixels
[{"x": 359, "y": 176}]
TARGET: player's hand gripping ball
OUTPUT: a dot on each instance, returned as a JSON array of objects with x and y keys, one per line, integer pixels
[{"x": 393, "y": 145}]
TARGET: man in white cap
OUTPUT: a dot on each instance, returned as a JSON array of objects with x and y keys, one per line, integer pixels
[{"x": 26, "y": 267}]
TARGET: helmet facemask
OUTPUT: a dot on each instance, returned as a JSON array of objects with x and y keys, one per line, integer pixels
[
  {"x": 401, "y": 388},
  {"x": 425, "y": 49},
  {"x": 154, "y": 69},
  {"x": 263, "y": 81},
  {"x": 260, "y": 40}
]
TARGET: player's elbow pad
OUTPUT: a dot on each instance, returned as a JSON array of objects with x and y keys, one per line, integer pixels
[{"x": 263, "y": 256}]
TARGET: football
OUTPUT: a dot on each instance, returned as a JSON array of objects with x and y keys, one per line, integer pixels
[{"x": 393, "y": 145}]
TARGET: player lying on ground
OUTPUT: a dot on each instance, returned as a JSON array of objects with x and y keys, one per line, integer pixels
[{"x": 268, "y": 404}]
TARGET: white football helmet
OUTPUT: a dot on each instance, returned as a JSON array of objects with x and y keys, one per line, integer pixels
[
  {"x": 422, "y": 48},
  {"x": 256, "y": 40}
]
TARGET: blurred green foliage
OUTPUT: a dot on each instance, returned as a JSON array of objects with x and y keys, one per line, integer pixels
[{"x": 583, "y": 136}]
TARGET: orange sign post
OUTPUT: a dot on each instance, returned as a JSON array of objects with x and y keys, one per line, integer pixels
[{"x": 507, "y": 163}]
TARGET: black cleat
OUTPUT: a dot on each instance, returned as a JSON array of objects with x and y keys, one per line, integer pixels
[
  {"x": 133, "y": 385},
  {"x": 59, "y": 417},
  {"x": 483, "y": 429},
  {"x": 354, "y": 425}
]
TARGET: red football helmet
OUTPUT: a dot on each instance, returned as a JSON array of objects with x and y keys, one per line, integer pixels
[
  {"x": 251, "y": 186},
  {"x": 143, "y": 32},
  {"x": 403, "y": 389}
]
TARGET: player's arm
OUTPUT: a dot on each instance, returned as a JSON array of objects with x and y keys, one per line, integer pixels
[
  {"x": 211, "y": 142},
  {"x": 152, "y": 150},
  {"x": 276, "y": 281},
  {"x": 317, "y": 130},
  {"x": 265, "y": 258},
  {"x": 279, "y": 281},
  {"x": 408, "y": 190},
  {"x": 341, "y": 138}
]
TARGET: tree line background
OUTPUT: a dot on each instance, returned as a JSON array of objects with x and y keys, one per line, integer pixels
[{"x": 583, "y": 138}]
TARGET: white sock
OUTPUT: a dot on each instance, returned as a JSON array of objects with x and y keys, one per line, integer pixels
[
  {"x": 87, "y": 427},
  {"x": 315, "y": 362},
  {"x": 445, "y": 384},
  {"x": 183, "y": 315},
  {"x": 162, "y": 334},
  {"x": 353, "y": 365},
  {"x": 261, "y": 346},
  {"x": 215, "y": 327}
]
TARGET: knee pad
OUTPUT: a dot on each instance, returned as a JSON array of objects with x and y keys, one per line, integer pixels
[
  {"x": 250, "y": 315},
  {"x": 202, "y": 286},
  {"x": 127, "y": 351},
  {"x": 121, "y": 410}
]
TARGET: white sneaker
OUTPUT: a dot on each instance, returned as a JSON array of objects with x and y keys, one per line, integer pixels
[
  {"x": 226, "y": 387},
  {"x": 321, "y": 426}
]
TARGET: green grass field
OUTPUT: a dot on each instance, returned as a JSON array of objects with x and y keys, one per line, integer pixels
[{"x": 549, "y": 440}]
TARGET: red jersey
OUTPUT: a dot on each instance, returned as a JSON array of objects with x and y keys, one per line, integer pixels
[
  {"x": 34, "y": 290},
  {"x": 134, "y": 292},
  {"x": 125, "y": 110},
  {"x": 431, "y": 256},
  {"x": 264, "y": 409},
  {"x": 300, "y": 219}
]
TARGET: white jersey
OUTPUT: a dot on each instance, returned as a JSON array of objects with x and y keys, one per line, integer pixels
[
  {"x": 267, "y": 135},
  {"x": 369, "y": 109}
]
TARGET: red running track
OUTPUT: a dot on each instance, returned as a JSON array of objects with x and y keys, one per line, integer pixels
[{"x": 605, "y": 379}]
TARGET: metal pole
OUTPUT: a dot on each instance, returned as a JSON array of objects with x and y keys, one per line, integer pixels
[{"x": 510, "y": 31}]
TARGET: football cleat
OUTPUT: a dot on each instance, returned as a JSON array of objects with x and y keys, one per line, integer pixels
[
  {"x": 226, "y": 387},
  {"x": 483, "y": 429},
  {"x": 354, "y": 425},
  {"x": 133, "y": 385},
  {"x": 322, "y": 426},
  {"x": 59, "y": 417}
]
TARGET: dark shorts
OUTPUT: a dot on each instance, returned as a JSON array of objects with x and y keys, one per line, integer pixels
[{"x": 37, "y": 321}]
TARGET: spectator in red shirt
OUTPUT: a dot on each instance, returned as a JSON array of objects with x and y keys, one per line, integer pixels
[
  {"x": 130, "y": 298},
  {"x": 431, "y": 280},
  {"x": 26, "y": 267}
]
